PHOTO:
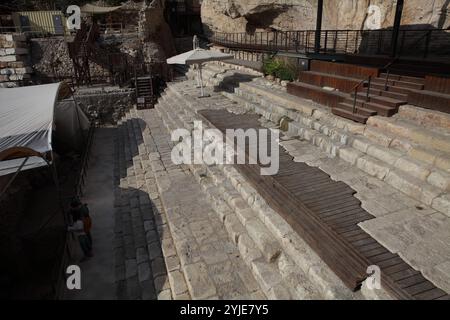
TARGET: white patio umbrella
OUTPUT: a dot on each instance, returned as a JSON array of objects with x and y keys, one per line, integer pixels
[{"x": 199, "y": 56}]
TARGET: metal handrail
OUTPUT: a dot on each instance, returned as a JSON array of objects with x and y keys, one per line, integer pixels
[
  {"x": 355, "y": 88},
  {"x": 369, "y": 81},
  {"x": 388, "y": 69}
]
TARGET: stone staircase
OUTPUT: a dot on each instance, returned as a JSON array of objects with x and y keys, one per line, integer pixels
[
  {"x": 400, "y": 150},
  {"x": 143, "y": 249},
  {"x": 282, "y": 263},
  {"x": 194, "y": 260}
]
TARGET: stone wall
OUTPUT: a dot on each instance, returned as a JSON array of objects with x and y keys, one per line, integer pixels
[
  {"x": 50, "y": 59},
  {"x": 244, "y": 15},
  {"x": 14, "y": 60},
  {"x": 105, "y": 105}
]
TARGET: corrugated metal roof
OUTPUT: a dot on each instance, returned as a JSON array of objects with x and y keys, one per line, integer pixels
[{"x": 93, "y": 9}]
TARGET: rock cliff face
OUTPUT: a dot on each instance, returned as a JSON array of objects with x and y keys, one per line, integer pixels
[
  {"x": 257, "y": 15},
  {"x": 158, "y": 43}
]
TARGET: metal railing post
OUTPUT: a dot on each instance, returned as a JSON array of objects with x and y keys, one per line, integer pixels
[
  {"x": 427, "y": 43},
  {"x": 386, "y": 81},
  {"x": 368, "y": 89}
]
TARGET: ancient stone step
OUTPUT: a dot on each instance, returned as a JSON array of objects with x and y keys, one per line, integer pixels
[
  {"x": 379, "y": 154},
  {"x": 145, "y": 267},
  {"x": 245, "y": 215},
  {"x": 372, "y": 165},
  {"x": 207, "y": 259},
  {"x": 413, "y": 132},
  {"x": 425, "y": 117}
]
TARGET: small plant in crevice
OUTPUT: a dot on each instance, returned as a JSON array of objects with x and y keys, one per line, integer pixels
[{"x": 280, "y": 68}]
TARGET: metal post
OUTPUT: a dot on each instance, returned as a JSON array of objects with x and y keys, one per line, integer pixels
[
  {"x": 427, "y": 44},
  {"x": 387, "y": 79},
  {"x": 396, "y": 29},
  {"x": 318, "y": 26},
  {"x": 198, "y": 75},
  {"x": 368, "y": 89},
  {"x": 201, "y": 80}
]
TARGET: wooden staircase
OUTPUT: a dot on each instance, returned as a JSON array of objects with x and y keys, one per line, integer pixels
[
  {"x": 384, "y": 96},
  {"x": 345, "y": 88},
  {"x": 144, "y": 92}
]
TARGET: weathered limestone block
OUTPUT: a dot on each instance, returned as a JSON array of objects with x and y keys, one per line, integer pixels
[
  {"x": 13, "y": 51},
  {"x": 389, "y": 156},
  {"x": 377, "y": 136},
  {"x": 12, "y": 38},
  {"x": 425, "y": 117},
  {"x": 412, "y": 187},
  {"x": 19, "y": 77},
  {"x": 263, "y": 238},
  {"x": 248, "y": 249},
  {"x": 442, "y": 203},
  {"x": 413, "y": 168},
  {"x": 440, "y": 179},
  {"x": 443, "y": 162},
  {"x": 12, "y": 58},
  {"x": 361, "y": 143},
  {"x": 199, "y": 282},
  {"x": 373, "y": 167},
  {"x": 350, "y": 155},
  {"x": 423, "y": 154},
  {"x": 177, "y": 283}
]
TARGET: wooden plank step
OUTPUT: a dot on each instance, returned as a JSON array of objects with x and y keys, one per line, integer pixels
[
  {"x": 349, "y": 115},
  {"x": 390, "y": 102},
  {"x": 398, "y": 83},
  {"x": 384, "y": 93},
  {"x": 380, "y": 109},
  {"x": 402, "y": 78},
  {"x": 390, "y": 88},
  {"x": 359, "y": 110}
]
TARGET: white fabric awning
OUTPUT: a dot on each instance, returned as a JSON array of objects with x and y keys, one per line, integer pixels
[
  {"x": 11, "y": 166},
  {"x": 26, "y": 117},
  {"x": 199, "y": 56},
  {"x": 26, "y": 123}
]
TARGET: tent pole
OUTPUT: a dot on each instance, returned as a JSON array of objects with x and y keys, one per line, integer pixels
[
  {"x": 201, "y": 80},
  {"x": 198, "y": 75},
  {"x": 79, "y": 122},
  {"x": 14, "y": 177},
  {"x": 58, "y": 188}
]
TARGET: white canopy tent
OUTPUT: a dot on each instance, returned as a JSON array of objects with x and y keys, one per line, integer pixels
[
  {"x": 199, "y": 56},
  {"x": 28, "y": 115}
]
